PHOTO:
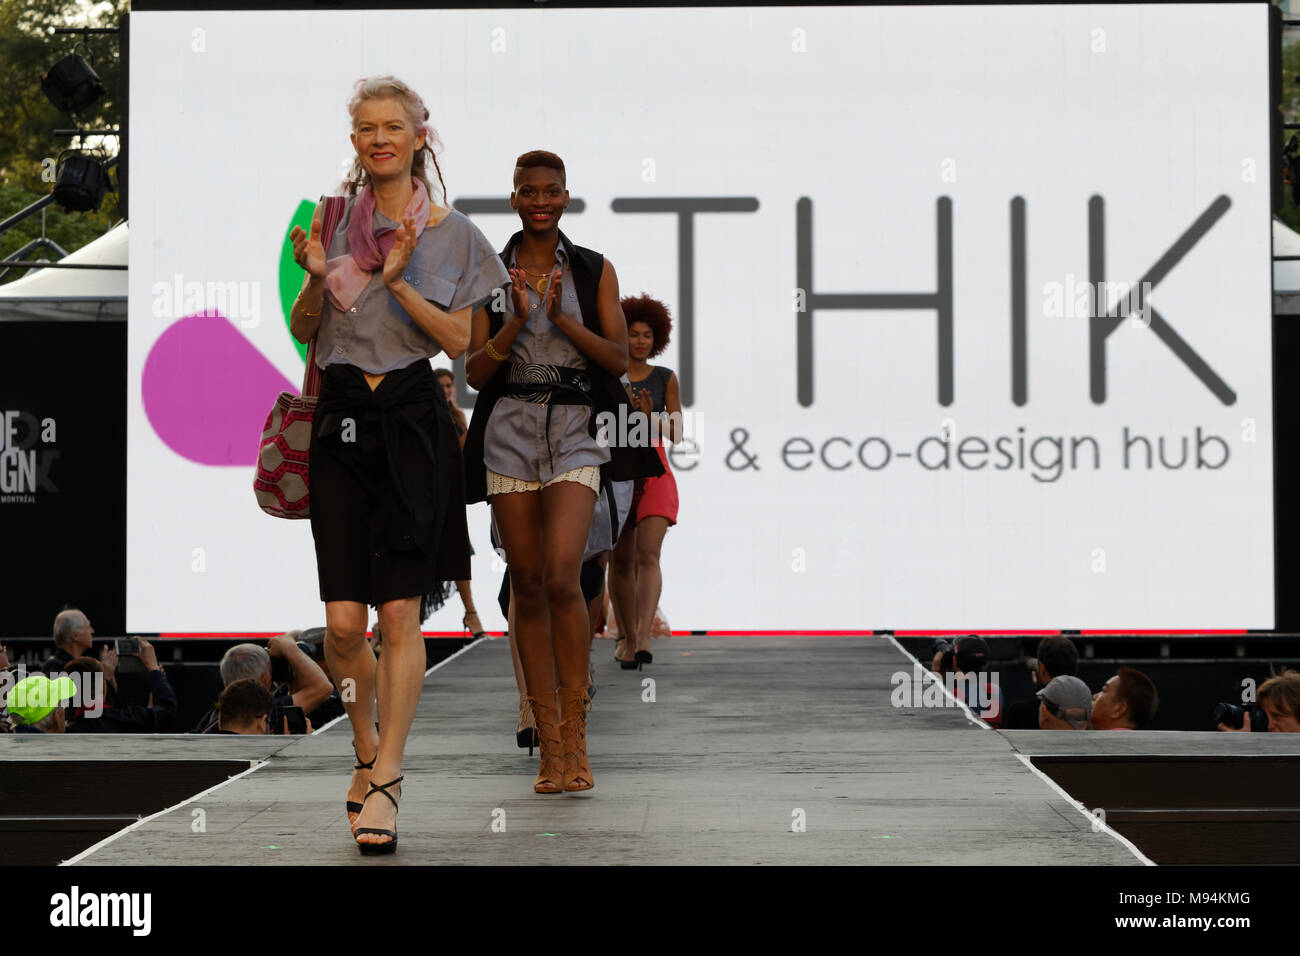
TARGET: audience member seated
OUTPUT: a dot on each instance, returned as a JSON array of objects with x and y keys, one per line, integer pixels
[
  {"x": 6, "y": 725},
  {"x": 1279, "y": 698},
  {"x": 73, "y": 637},
  {"x": 35, "y": 704},
  {"x": 1125, "y": 702},
  {"x": 1056, "y": 657},
  {"x": 96, "y": 716},
  {"x": 308, "y": 688},
  {"x": 245, "y": 708},
  {"x": 970, "y": 655},
  {"x": 1064, "y": 704}
]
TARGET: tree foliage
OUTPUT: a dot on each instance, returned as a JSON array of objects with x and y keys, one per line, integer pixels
[{"x": 28, "y": 147}]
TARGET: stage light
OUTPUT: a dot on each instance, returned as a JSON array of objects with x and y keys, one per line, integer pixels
[
  {"x": 81, "y": 183},
  {"x": 71, "y": 84}
]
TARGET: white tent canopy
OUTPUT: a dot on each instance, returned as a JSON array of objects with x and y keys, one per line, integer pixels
[
  {"x": 78, "y": 294},
  {"x": 1286, "y": 275}
]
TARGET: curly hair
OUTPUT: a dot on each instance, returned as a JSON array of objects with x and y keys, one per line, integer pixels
[
  {"x": 652, "y": 312},
  {"x": 372, "y": 87}
]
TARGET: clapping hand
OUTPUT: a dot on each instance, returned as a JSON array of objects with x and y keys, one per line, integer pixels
[
  {"x": 553, "y": 294},
  {"x": 308, "y": 251},
  {"x": 108, "y": 661},
  {"x": 400, "y": 254},
  {"x": 519, "y": 293}
]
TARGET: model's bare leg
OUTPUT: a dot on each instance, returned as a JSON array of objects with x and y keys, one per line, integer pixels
[
  {"x": 467, "y": 601},
  {"x": 399, "y": 676},
  {"x": 567, "y": 509},
  {"x": 623, "y": 591},
  {"x": 352, "y": 667},
  {"x": 519, "y": 522},
  {"x": 649, "y": 579},
  {"x": 514, "y": 644}
]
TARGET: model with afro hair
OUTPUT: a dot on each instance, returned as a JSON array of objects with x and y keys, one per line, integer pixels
[{"x": 636, "y": 580}]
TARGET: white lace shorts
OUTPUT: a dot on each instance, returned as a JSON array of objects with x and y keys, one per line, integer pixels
[{"x": 588, "y": 475}]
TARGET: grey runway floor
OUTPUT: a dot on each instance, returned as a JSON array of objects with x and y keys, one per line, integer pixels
[{"x": 745, "y": 737}]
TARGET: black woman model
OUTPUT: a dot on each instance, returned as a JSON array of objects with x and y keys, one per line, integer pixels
[
  {"x": 546, "y": 361},
  {"x": 636, "y": 580}
]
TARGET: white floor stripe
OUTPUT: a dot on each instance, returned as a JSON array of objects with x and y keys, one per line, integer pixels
[
  {"x": 154, "y": 816},
  {"x": 1096, "y": 822},
  {"x": 935, "y": 679},
  {"x": 256, "y": 766}
]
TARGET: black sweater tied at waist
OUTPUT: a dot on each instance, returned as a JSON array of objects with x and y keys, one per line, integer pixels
[{"x": 408, "y": 406}]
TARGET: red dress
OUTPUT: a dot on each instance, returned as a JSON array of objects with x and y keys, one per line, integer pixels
[{"x": 656, "y": 495}]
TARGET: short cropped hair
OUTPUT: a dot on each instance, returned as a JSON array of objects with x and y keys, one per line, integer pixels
[
  {"x": 1138, "y": 691},
  {"x": 244, "y": 660},
  {"x": 66, "y": 625},
  {"x": 243, "y": 701},
  {"x": 539, "y": 157},
  {"x": 1059, "y": 656}
]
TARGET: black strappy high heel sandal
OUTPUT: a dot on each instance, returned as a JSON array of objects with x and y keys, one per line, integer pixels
[
  {"x": 375, "y": 849},
  {"x": 353, "y": 806}
]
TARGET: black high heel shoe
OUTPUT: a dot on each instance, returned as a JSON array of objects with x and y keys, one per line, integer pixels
[
  {"x": 473, "y": 633},
  {"x": 631, "y": 665},
  {"x": 376, "y": 849},
  {"x": 353, "y": 806},
  {"x": 526, "y": 736},
  {"x": 644, "y": 657}
]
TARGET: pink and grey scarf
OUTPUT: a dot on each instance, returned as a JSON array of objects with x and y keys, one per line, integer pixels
[{"x": 348, "y": 275}]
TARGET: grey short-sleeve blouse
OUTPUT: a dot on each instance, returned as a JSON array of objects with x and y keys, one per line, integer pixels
[
  {"x": 515, "y": 441},
  {"x": 453, "y": 266}
]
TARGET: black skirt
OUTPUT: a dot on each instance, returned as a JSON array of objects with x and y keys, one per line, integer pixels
[{"x": 387, "y": 489}]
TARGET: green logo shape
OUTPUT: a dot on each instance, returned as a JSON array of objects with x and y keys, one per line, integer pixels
[{"x": 291, "y": 274}]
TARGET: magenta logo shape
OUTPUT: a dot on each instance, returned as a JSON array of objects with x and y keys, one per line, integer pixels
[{"x": 206, "y": 391}]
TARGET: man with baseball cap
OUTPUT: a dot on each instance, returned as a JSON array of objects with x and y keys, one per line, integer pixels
[
  {"x": 1064, "y": 704},
  {"x": 36, "y": 704}
]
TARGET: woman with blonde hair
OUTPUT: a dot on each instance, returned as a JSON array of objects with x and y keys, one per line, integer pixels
[{"x": 395, "y": 284}]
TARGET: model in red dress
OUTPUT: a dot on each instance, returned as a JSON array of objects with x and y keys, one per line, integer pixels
[{"x": 635, "y": 577}]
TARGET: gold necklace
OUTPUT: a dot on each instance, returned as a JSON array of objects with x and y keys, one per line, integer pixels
[{"x": 545, "y": 277}]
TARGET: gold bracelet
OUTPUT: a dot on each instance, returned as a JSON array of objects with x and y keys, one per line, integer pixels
[
  {"x": 493, "y": 353},
  {"x": 310, "y": 315}
]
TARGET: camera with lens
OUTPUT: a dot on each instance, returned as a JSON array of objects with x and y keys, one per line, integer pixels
[
  {"x": 282, "y": 670},
  {"x": 1235, "y": 716},
  {"x": 948, "y": 649}
]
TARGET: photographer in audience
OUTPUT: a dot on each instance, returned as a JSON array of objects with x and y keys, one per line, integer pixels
[
  {"x": 1125, "y": 702},
  {"x": 245, "y": 708},
  {"x": 1279, "y": 699},
  {"x": 1064, "y": 704},
  {"x": 1056, "y": 657},
  {"x": 99, "y": 717},
  {"x": 965, "y": 660},
  {"x": 308, "y": 685}
]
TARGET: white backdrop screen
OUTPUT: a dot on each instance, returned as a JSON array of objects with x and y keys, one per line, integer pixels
[{"x": 901, "y": 224}]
